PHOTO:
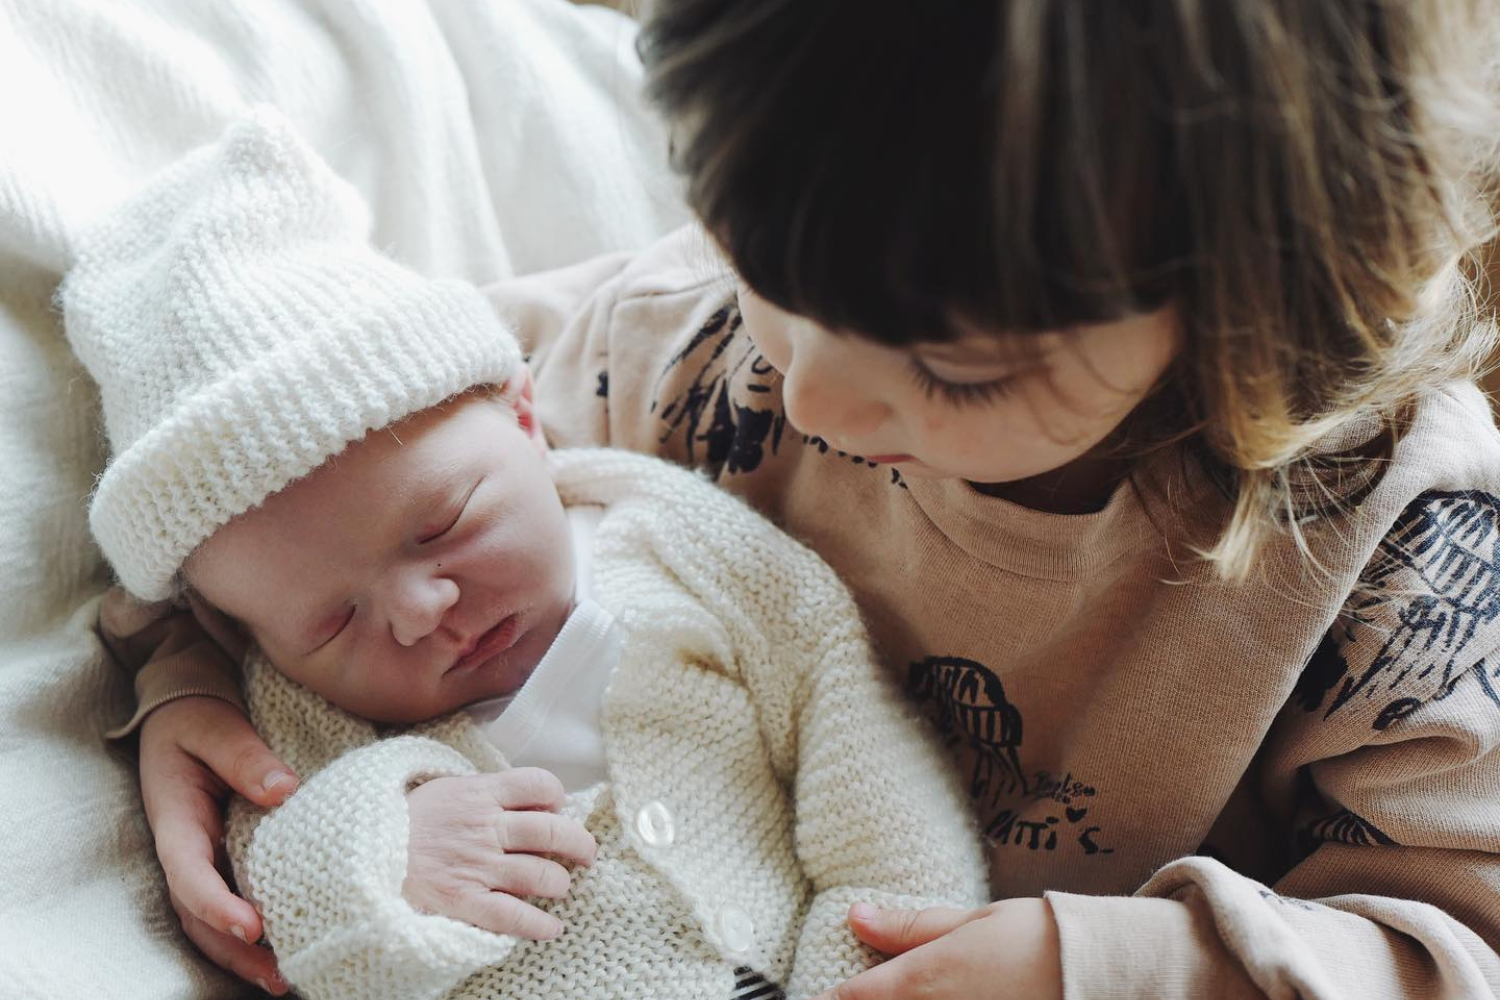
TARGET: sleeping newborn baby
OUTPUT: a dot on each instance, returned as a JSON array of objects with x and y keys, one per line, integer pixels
[{"x": 485, "y": 659}]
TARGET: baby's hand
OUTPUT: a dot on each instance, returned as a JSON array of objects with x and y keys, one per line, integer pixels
[{"x": 474, "y": 848}]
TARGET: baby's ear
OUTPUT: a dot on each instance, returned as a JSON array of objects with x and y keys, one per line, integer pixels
[
  {"x": 305, "y": 730},
  {"x": 521, "y": 393}
]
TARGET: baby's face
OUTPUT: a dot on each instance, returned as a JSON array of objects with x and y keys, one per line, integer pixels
[{"x": 426, "y": 567}]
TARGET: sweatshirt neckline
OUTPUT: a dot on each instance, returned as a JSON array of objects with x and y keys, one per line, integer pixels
[{"x": 1046, "y": 545}]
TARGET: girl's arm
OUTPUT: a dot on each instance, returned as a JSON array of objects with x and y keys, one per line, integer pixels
[
  {"x": 168, "y": 652},
  {"x": 1398, "y": 824},
  {"x": 196, "y": 745},
  {"x": 634, "y": 351}
]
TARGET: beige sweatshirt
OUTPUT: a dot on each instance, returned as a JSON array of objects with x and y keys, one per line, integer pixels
[{"x": 1263, "y": 789}]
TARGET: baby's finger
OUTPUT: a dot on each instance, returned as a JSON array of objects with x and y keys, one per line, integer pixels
[
  {"x": 529, "y": 875},
  {"x": 547, "y": 833},
  {"x": 250, "y": 962},
  {"x": 528, "y": 788},
  {"x": 224, "y": 739},
  {"x": 505, "y": 914}
]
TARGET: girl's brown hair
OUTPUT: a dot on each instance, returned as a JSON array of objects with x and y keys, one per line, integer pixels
[{"x": 1304, "y": 181}]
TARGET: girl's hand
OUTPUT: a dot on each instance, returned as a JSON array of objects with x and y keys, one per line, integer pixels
[
  {"x": 192, "y": 751},
  {"x": 475, "y": 841},
  {"x": 1003, "y": 950}
]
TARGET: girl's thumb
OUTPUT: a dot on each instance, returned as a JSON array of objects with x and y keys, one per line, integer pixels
[{"x": 895, "y": 931}]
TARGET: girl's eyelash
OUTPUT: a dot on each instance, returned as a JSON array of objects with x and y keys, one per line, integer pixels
[{"x": 961, "y": 393}]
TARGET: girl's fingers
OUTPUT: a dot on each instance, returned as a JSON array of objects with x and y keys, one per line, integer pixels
[
  {"x": 528, "y": 875},
  {"x": 224, "y": 739},
  {"x": 187, "y": 825},
  {"x": 248, "y": 961},
  {"x": 504, "y": 914},
  {"x": 893, "y": 980},
  {"x": 547, "y": 833},
  {"x": 527, "y": 788},
  {"x": 202, "y": 894},
  {"x": 896, "y": 931}
]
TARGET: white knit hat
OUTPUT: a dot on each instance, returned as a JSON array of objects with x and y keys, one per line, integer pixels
[{"x": 243, "y": 332}]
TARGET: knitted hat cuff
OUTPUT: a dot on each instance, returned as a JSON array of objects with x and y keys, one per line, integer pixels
[{"x": 283, "y": 414}]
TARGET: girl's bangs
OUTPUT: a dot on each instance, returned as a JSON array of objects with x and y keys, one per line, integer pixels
[{"x": 900, "y": 213}]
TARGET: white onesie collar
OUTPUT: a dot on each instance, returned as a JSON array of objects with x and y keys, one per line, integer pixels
[{"x": 553, "y": 721}]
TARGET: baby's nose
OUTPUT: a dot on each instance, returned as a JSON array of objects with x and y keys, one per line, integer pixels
[{"x": 419, "y": 606}]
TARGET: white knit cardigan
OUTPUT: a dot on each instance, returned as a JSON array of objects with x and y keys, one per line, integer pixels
[{"x": 763, "y": 776}]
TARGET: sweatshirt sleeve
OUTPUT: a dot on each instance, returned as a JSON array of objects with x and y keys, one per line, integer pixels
[
  {"x": 1385, "y": 765},
  {"x": 326, "y": 868},
  {"x": 168, "y": 652},
  {"x": 640, "y": 351}
]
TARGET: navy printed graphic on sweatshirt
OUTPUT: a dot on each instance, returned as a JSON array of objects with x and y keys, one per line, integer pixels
[
  {"x": 1408, "y": 640},
  {"x": 729, "y": 417},
  {"x": 1039, "y": 811},
  {"x": 718, "y": 432},
  {"x": 1344, "y": 827}
]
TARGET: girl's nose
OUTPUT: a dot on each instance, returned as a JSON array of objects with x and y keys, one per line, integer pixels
[
  {"x": 820, "y": 401},
  {"x": 418, "y": 603}
]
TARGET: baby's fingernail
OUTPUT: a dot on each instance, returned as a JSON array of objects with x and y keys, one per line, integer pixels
[
  {"x": 862, "y": 911},
  {"x": 239, "y": 932},
  {"x": 278, "y": 778},
  {"x": 278, "y": 982}
]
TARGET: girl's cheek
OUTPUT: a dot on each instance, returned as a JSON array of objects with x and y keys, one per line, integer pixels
[{"x": 935, "y": 422}]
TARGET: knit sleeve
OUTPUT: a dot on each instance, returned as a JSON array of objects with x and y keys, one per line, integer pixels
[
  {"x": 880, "y": 815},
  {"x": 1387, "y": 761},
  {"x": 326, "y": 868}
]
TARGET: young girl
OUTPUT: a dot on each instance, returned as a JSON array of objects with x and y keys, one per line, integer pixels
[{"x": 1115, "y": 355}]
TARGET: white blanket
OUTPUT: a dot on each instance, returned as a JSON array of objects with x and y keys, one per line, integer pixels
[{"x": 490, "y": 137}]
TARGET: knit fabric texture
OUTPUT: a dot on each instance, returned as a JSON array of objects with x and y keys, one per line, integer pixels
[
  {"x": 763, "y": 775},
  {"x": 242, "y": 331}
]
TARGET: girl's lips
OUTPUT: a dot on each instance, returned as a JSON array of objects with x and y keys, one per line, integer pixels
[
  {"x": 492, "y": 643},
  {"x": 888, "y": 459}
]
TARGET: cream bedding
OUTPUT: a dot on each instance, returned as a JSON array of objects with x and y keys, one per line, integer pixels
[{"x": 489, "y": 138}]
